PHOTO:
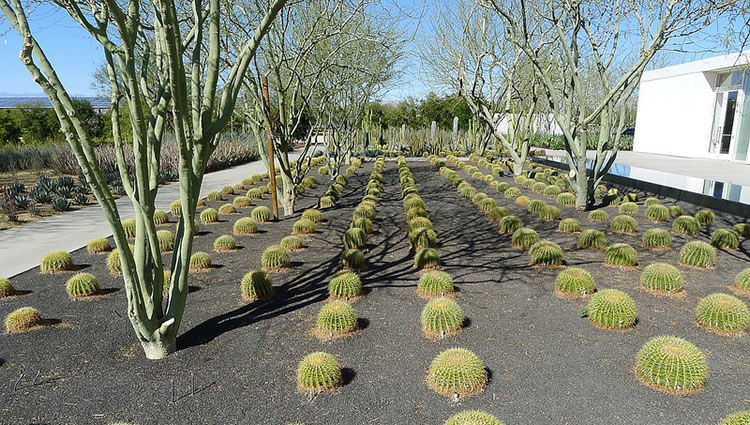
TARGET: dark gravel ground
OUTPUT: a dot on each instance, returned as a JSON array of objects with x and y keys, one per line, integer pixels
[{"x": 547, "y": 364}]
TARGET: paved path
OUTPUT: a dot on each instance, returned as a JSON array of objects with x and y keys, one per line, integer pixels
[
  {"x": 22, "y": 247},
  {"x": 730, "y": 172}
]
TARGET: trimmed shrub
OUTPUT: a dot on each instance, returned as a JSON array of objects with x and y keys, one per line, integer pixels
[
  {"x": 22, "y": 320},
  {"x": 274, "y": 258},
  {"x": 657, "y": 213},
  {"x": 524, "y": 237},
  {"x": 523, "y": 200},
  {"x": 620, "y": 254},
  {"x": 353, "y": 259},
  {"x": 536, "y": 206},
  {"x": 661, "y": 278},
  {"x": 224, "y": 243},
  {"x": 6, "y": 288},
  {"x": 742, "y": 281},
  {"x": 335, "y": 319},
  {"x": 176, "y": 208},
  {"x": 345, "y": 284},
  {"x": 698, "y": 254},
  {"x": 256, "y": 285},
  {"x": 705, "y": 217},
  {"x": 545, "y": 254},
  {"x": 457, "y": 372},
  {"x": 160, "y": 217},
  {"x": 651, "y": 201},
  {"x": 245, "y": 226},
  {"x": 574, "y": 282},
  {"x": 628, "y": 208},
  {"x": 671, "y": 364},
  {"x": 99, "y": 246},
  {"x": 82, "y": 285},
  {"x": 512, "y": 192},
  {"x": 355, "y": 238},
  {"x": 657, "y": 239},
  {"x": 722, "y": 314},
  {"x": 166, "y": 240},
  {"x": 56, "y": 261},
  {"x": 612, "y": 309},
  {"x": 200, "y": 261},
  {"x": 209, "y": 215},
  {"x": 685, "y": 225},
  {"x": 725, "y": 239},
  {"x": 566, "y": 198},
  {"x": 427, "y": 258},
  {"x": 214, "y": 196},
  {"x": 261, "y": 214},
  {"x": 624, "y": 224},
  {"x": 569, "y": 225},
  {"x": 313, "y": 215},
  {"x": 303, "y": 226},
  {"x": 739, "y": 418},
  {"x": 319, "y": 371},
  {"x": 254, "y": 194},
  {"x": 472, "y": 417},
  {"x": 509, "y": 224},
  {"x": 128, "y": 226},
  {"x": 292, "y": 243},
  {"x": 592, "y": 238},
  {"x": 550, "y": 213},
  {"x": 441, "y": 317},
  {"x": 598, "y": 215},
  {"x": 497, "y": 213},
  {"x": 434, "y": 283}
]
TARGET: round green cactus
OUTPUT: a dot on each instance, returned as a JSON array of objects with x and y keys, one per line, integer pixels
[
  {"x": 352, "y": 259},
  {"x": 512, "y": 192},
  {"x": 113, "y": 261},
  {"x": 705, "y": 217},
  {"x": 345, "y": 284},
  {"x": 536, "y": 206},
  {"x": 427, "y": 258},
  {"x": 414, "y": 202},
  {"x": 423, "y": 238},
  {"x": 698, "y": 254},
  {"x": 569, "y": 225},
  {"x": 523, "y": 200},
  {"x": 419, "y": 223},
  {"x": 200, "y": 261},
  {"x": 313, "y": 215},
  {"x": 82, "y": 285},
  {"x": 519, "y": 179},
  {"x": 260, "y": 214},
  {"x": 472, "y": 417},
  {"x": 326, "y": 202},
  {"x": 551, "y": 191},
  {"x": 98, "y": 246},
  {"x": 6, "y": 288},
  {"x": 538, "y": 187},
  {"x": 224, "y": 243},
  {"x": 355, "y": 238},
  {"x": 567, "y": 199},
  {"x": 166, "y": 240},
  {"x": 441, "y": 317},
  {"x": 742, "y": 229},
  {"x": 176, "y": 208},
  {"x": 739, "y": 418},
  {"x": 227, "y": 209},
  {"x": 661, "y": 278},
  {"x": 631, "y": 197},
  {"x": 624, "y": 224},
  {"x": 657, "y": 213},
  {"x": 292, "y": 243},
  {"x": 657, "y": 239},
  {"x": 245, "y": 226},
  {"x": 723, "y": 314},
  {"x": 574, "y": 282},
  {"x": 227, "y": 190},
  {"x": 364, "y": 211},
  {"x": 497, "y": 213},
  {"x": 486, "y": 205},
  {"x": 598, "y": 215},
  {"x": 545, "y": 254},
  {"x": 457, "y": 372},
  {"x": 256, "y": 285},
  {"x": 621, "y": 254},
  {"x": 509, "y": 224},
  {"x": 415, "y": 212},
  {"x": 254, "y": 194},
  {"x": 56, "y": 261},
  {"x": 592, "y": 238},
  {"x": 725, "y": 239},
  {"x": 524, "y": 237},
  {"x": 630, "y": 208},
  {"x": 214, "y": 196},
  {"x": 612, "y": 309},
  {"x": 671, "y": 364},
  {"x": 685, "y": 225},
  {"x": 742, "y": 282},
  {"x": 22, "y": 320},
  {"x": 550, "y": 213},
  {"x": 362, "y": 223},
  {"x": 675, "y": 211},
  {"x": 502, "y": 187},
  {"x": 128, "y": 226},
  {"x": 209, "y": 215},
  {"x": 319, "y": 371},
  {"x": 335, "y": 319},
  {"x": 434, "y": 283},
  {"x": 651, "y": 201},
  {"x": 274, "y": 258},
  {"x": 160, "y": 217},
  {"x": 303, "y": 226}
]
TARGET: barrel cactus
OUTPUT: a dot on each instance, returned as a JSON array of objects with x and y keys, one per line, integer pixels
[
  {"x": 200, "y": 261},
  {"x": 441, "y": 317},
  {"x": 612, "y": 309},
  {"x": 592, "y": 238},
  {"x": 569, "y": 225},
  {"x": 486, "y": 205},
  {"x": 739, "y": 418},
  {"x": 723, "y": 314},
  {"x": 524, "y": 237},
  {"x": 355, "y": 238},
  {"x": 415, "y": 212},
  {"x": 318, "y": 372},
  {"x": 698, "y": 254},
  {"x": 742, "y": 282},
  {"x": 128, "y": 226},
  {"x": 742, "y": 229},
  {"x": 427, "y": 258},
  {"x": 725, "y": 239},
  {"x": 705, "y": 217},
  {"x": 176, "y": 208},
  {"x": 497, "y": 213},
  {"x": 415, "y": 202},
  {"x": 620, "y": 254},
  {"x": 23, "y": 319},
  {"x": 353, "y": 259},
  {"x": 472, "y": 417},
  {"x": 227, "y": 209},
  {"x": 536, "y": 206},
  {"x": 6, "y": 288},
  {"x": 99, "y": 246},
  {"x": 624, "y": 224},
  {"x": 657, "y": 239},
  {"x": 538, "y": 187},
  {"x": 574, "y": 282},
  {"x": 313, "y": 215},
  {"x": 434, "y": 283},
  {"x": 675, "y": 211},
  {"x": 254, "y": 194},
  {"x": 292, "y": 243},
  {"x": 345, "y": 284},
  {"x": 256, "y": 285},
  {"x": 423, "y": 238},
  {"x": 160, "y": 217},
  {"x": 661, "y": 278},
  {"x": 685, "y": 225},
  {"x": 209, "y": 215},
  {"x": 245, "y": 226},
  {"x": 551, "y": 191},
  {"x": 56, "y": 261},
  {"x": 303, "y": 226},
  {"x": 457, "y": 372},
  {"x": 225, "y": 243},
  {"x": 550, "y": 213},
  {"x": 260, "y": 214},
  {"x": 364, "y": 211},
  {"x": 82, "y": 285},
  {"x": 566, "y": 198},
  {"x": 672, "y": 365},
  {"x": 651, "y": 201},
  {"x": 113, "y": 261},
  {"x": 512, "y": 192},
  {"x": 630, "y": 208},
  {"x": 545, "y": 254},
  {"x": 336, "y": 318},
  {"x": 657, "y": 213},
  {"x": 275, "y": 258},
  {"x": 598, "y": 215}
]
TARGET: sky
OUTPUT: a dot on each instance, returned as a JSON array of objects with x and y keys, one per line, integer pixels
[{"x": 76, "y": 56}]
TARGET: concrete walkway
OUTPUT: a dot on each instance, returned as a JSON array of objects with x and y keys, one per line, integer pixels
[
  {"x": 729, "y": 172},
  {"x": 22, "y": 247}
]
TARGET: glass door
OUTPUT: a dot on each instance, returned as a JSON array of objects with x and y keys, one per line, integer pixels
[{"x": 725, "y": 113}]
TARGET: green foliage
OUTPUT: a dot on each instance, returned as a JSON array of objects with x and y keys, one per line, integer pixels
[
  {"x": 624, "y": 224},
  {"x": 200, "y": 261},
  {"x": 509, "y": 224},
  {"x": 698, "y": 254},
  {"x": 612, "y": 309},
  {"x": 524, "y": 237},
  {"x": 6, "y": 288},
  {"x": 472, "y": 417},
  {"x": 550, "y": 213},
  {"x": 419, "y": 223},
  {"x": 303, "y": 226},
  {"x": 256, "y": 285},
  {"x": 324, "y": 170},
  {"x": 176, "y": 208},
  {"x": 260, "y": 214},
  {"x": 242, "y": 202},
  {"x": 292, "y": 243},
  {"x": 725, "y": 239},
  {"x": 224, "y": 243},
  {"x": 355, "y": 238},
  {"x": 336, "y": 318},
  {"x": 245, "y": 226},
  {"x": 620, "y": 254},
  {"x": 675, "y": 211},
  {"x": 457, "y": 371},
  {"x": 662, "y": 277},
  {"x": 705, "y": 217},
  {"x": 739, "y": 418},
  {"x": 166, "y": 240},
  {"x": 434, "y": 283},
  {"x": 160, "y": 217},
  {"x": 536, "y": 206},
  {"x": 22, "y": 320},
  {"x": 345, "y": 284},
  {"x": 657, "y": 239},
  {"x": 671, "y": 364},
  {"x": 592, "y": 238},
  {"x": 82, "y": 285},
  {"x": 441, "y": 317},
  {"x": 414, "y": 202},
  {"x": 98, "y": 246},
  {"x": 364, "y": 211},
  {"x": 318, "y": 372},
  {"x": 567, "y": 199},
  {"x": 598, "y": 215},
  {"x": 209, "y": 215},
  {"x": 502, "y": 187},
  {"x": 574, "y": 282},
  {"x": 274, "y": 258},
  {"x": 546, "y": 254},
  {"x": 227, "y": 209},
  {"x": 512, "y": 192},
  {"x": 362, "y": 223},
  {"x": 742, "y": 229},
  {"x": 426, "y": 258},
  {"x": 56, "y": 261},
  {"x": 352, "y": 259},
  {"x": 685, "y": 225},
  {"x": 538, "y": 187},
  {"x": 723, "y": 314},
  {"x": 569, "y": 225},
  {"x": 313, "y": 215},
  {"x": 227, "y": 190},
  {"x": 128, "y": 226}
]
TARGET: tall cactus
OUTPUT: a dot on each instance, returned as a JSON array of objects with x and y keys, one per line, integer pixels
[
  {"x": 433, "y": 135},
  {"x": 455, "y": 132}
]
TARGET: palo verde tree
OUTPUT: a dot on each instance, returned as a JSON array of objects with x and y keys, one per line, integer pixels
[
  {"x": 163, "y": 61},
  {"x": 611, "y": 43}
]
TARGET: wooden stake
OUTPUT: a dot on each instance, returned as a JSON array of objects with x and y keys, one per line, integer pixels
[{"x": 271, "y": 164}]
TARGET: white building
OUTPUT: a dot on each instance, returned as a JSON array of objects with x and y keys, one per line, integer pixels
[
  {"x": 697, "y": 109},
  {"x": 543, "y": 125}
]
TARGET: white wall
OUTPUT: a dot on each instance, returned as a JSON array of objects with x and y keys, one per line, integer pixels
[
  {"x": 544, "y": 124},
  {"x": 675, "y": 115}
]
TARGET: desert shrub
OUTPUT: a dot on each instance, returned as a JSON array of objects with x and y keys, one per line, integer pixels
[
  {"x": 209, "y": 215},
  {"x": 166, "y": 240},
  {"x": 345, "y": 284},
  {"x": 318, "y": 372},
  {"x": 352, "y": 259},
  {"x": 457, "y": 372},
  {"x": 256, "y": 285},
  {"x": 260, "y": 214},
  {"x": 651, "y": 201},
  {"x": 224, "y": 243},
  {"x": 657, "y": 239},
  {"x": 434, "y": 283},
  {"x": 671, "y": 364},
  {"x": 569, "y": 225},
  {"x": 426, "y": 258},
  {"x": 82, "y": 285},
  {"x": 512, "y": 192},
  {"x": 628, "y": 208},
  {"x": 214, "y": 196},
  {"x": 128, "y": 226},
  {"x": 592, "y": 238},
  {"x": 523, "y": 200},
  {"x": 524, "y": 237},
  {"x": 698, "y": 254},
  {"x": 303, "y": 226},
  {"x": 160, "y": 217},
  {"x": 566, "y": 198},
  {"x": 336, "y": 318},
  {"x": 546, "y": 254},
  {"x": 56, "y": 261},
  {"x": 705, "y": 217},
  {"x": 22, "y": 320},
  {"x": 574, "y": 282},
  {"x": 6, "y": 288},
  {"x": 98, "y": 246},
  {"x": 685, "y": 225},
  {"x": 200, "y": 261},
  {"x": 550, "y": 213},
  {"x": 725, "y": 239},
  {"x": 611, "y": 309},
  {"x": 509, "y": 224},
  {"x": 497, "y": 213},
  {"x": 624, "y": 224},
  {"x": 551, "y": 191},
  {"x": 620, "y": 254},
  {"x": 245, "y": 226},
  {"x": 176, "y": 208},
  {"x": 598, "y": 215},
  {"x": 536, "y": 206},
  {"x": 313, "y": 215},
  {"x": 657, "y": 213},
  {"x": 723, "y": 314},
  {"x": 661, "y": 278},
  {"x": 274, "y": 258},
  {"x": 739, "y": 418},
  {"x": 472, "y": 417},
  {"x": 441, "y": 317}
]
